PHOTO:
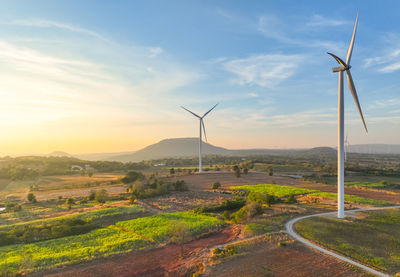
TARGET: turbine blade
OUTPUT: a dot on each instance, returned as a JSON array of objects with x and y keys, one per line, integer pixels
[
  {"x": 204, "y": 129},
  {"x": 190, "y": 112},
  {"x": 355, "y": 97},
  {"x": 350, "y": 51},
  {"x": 339, "y": 60},
  {"x": 210, "y": 110}
]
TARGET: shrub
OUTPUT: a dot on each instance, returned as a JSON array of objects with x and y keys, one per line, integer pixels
[
  {"x": 132, "y": 176},
  {"x": 216, "y": 185},
  {"x": 180, "y": 185},
  {"x": 31, "y": 197},
  {"x": 92, "y": 196},
  {"x": 172, "y": 171},
  {"x": 291, "y": 199},
  {"x": 101, "y": 196}
]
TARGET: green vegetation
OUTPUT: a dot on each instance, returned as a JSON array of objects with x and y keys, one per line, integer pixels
[
  {"x": 216, "y": 185},
  {"x": 57, "y": 227},
  {"x": 372, "y": 237},
  {"x": 159, "y": 227},
  {"x": 101, "y": 196},
  {"x": 226, "y": 205},
  {"x": 276, "y": 190},
  {"x": 152, "y": 186},
  {"x": 31, "y": 197},
  {"x": 132, "y": 176},
  {"x": 131, "y": 235},
  {"x": 353, "y": 199}
]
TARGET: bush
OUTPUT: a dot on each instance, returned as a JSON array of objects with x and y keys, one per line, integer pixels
[
  {"x": 216, "y": 185},
  {"x": 101, "y": 196},
  {"x": 132, "y": 176},
  {"x": 180, "y": 185},
  {"x": 172, "y": 171},
  {"x": 291, "y": 199},
  {"x": 31, "y": 197},
  {"x": 92, "y": 196},
  {"x": 225, "y": 205}
]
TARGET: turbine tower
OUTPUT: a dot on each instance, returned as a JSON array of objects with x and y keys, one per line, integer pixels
[
  {"x": 201, "y": 127},
  {"x": 344, "y": 66}
]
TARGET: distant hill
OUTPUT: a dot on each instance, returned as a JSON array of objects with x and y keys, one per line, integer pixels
[
  {"x": 59, "y": 154},
  {"x": 171, "y": 148},
  {"x": 375, "y": 148},
  {"x": 189, "y": 147}
]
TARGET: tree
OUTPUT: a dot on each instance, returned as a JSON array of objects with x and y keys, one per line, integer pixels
[
  {"x": 270, "y": 171},
  {"x": 172, "y": 171},
  {"x": 90, "y": 173},
  {"x": 132, "y": 176},
  {"x": 236, "y": 170},
  {"x": 31, "y": 197},
  {"x": 245, "y": 170},
  {"x": 101, "y": 196},
  {"x": 92, "y": 196},
  {"x": 216, "y": 185},
  {"x": 180, "y": 234},
  {"x": 70, "y": 201}
]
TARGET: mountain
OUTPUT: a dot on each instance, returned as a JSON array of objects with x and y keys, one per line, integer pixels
[
  {"x": 375, "y": 148},
  {"x": 171, "y": 148},
  {"x": 59, "y": 154},
  {"x": 101, "y": 156}
]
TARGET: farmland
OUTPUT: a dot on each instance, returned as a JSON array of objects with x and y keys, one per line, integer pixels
[
  {"x": 122, "y": 237},
  {"x": 272, "y": 189}
]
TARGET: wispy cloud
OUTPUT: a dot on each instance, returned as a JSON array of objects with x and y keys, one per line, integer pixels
[
  {"x": 320, "y": 21},
  {"x": 42, "y": 23},
  {"x": 265, "y": 70}
]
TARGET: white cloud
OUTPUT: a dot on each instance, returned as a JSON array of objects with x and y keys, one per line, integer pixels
[
  {"x": 52, "y": 24},
  {"x": 155, "y": 51},
  {"x": 321, "y": 21},
  {"x": 267, "y": 70}
]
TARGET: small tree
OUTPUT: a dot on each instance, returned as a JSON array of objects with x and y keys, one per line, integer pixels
[
  {"x": 101, "y": 196},
  {"x": 92, "y": 196},
  {"x": 70, "y": 201},
  {"x": 180, "y": 234},
  {"x": 270, "y": 171},
  {"x": 90, "y": 173},
  {"x": 245, "y": 170},
  {"x": 216, "y": 185},
  {"x": 31, "y": 197},
  {"x": 172, "y": 171},
  {"x": 236, "y": 170}
]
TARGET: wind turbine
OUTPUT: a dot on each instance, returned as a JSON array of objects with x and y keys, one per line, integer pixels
[
  {"x": 346, "y": 147},
  {"x": 201, "y": 127},
  {"x": 344, "y": 66}
]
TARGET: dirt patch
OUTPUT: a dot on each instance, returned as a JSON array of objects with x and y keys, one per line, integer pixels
[
  {"x": 165, "y": 261},
  {"x": 204, "y": 180},
  {"x": 373, "y": 194},
  {"x": 268, "y": 259}
]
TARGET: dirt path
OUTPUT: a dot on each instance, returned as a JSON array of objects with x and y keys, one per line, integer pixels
[{"x": 291, "y": 232}]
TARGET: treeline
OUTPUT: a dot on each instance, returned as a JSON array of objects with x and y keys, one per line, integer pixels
[
  {"x": 31, "y": 167},
  {"x": 27, "y": 233}
]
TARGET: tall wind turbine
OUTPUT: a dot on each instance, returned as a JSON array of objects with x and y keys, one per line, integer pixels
[
  {"x": 344, "y": 66},
  {"x": 201, "y": 127},
  {"x": 346, "y": 148}
]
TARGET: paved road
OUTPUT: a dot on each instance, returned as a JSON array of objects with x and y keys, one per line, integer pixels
[{"x": 291, "y": 232}]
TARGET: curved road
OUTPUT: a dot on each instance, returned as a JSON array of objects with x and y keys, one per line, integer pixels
[{"x": 291, "y": 232}]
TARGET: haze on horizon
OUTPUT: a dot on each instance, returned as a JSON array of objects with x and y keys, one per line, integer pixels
[{"x": 101, "y": 76}]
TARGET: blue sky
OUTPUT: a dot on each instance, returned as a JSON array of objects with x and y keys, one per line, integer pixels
[{"x": 94, "y": 76}]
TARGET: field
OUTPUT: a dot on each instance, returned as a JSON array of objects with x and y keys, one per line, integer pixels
[
  {"x": 371, "y": 237},
  {"x": 276, "y": 190},
  {"x": 353, "y": 199},
  {"x": 122, "y": 237}
]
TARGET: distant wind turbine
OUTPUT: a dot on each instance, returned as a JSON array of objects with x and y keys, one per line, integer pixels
[
  {"x": 346, "y": 148},
  {"x": 344, "y": 66},
  {"x": 201, "y": 127}
]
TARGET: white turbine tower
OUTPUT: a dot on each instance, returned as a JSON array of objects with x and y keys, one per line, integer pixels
[
  {"x": 344, "y": 66},
  {"x": 346, "y": 148},
  {"x": 204, "y": 129}
]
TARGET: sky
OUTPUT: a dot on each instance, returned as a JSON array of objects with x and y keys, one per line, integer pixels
[{"x": 110, "y": 76}]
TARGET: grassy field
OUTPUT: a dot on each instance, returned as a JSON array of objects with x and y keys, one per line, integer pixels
[
  {"x": 95, "y": 215},
  {"x": 125, "y": 236},
  {"x": 372, "y": 237},
  {"x": 353, "y": 199},
  {"x": 276, "y": 190}
]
